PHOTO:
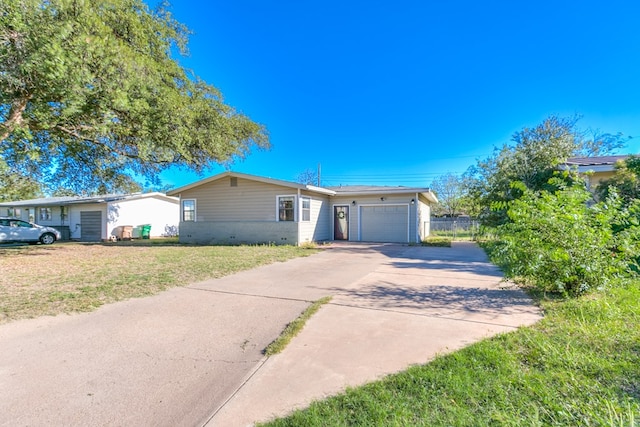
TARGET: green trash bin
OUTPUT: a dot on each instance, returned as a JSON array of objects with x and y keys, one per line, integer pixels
[{"x": 145, "y": 231}]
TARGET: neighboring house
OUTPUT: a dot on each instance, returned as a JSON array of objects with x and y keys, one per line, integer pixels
[
  {"x": 238, "y": 208},
  {"x": 97, "y": 218},
  {"x": 594, "y": 169}
]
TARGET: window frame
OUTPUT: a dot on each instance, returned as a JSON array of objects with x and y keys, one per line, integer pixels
[
  {"x": 303, "y": 210},
  {"x": 183, "y": 210},
  {"x": 47, "y": 214},
  {"x": 293, "y": 207}
]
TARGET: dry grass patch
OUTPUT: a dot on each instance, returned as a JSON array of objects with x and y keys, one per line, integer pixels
[{"x": 70, "y": 277}]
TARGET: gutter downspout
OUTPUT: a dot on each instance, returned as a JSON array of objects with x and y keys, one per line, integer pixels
[
  {"x": 416, "y": 207},
  {"x": 298, "y": 211}
]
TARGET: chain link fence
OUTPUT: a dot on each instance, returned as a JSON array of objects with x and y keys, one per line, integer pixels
[{"x": 456, "y": 228}]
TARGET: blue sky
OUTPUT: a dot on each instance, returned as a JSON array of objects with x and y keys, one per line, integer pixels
[{"x": 398, "y": 93}]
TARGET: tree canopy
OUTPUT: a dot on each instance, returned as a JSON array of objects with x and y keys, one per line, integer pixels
[
  {"x": 90, "y": 95},
  {"x": 17, "y": 187},
  {"x": 308, "y": 176},
  {"x": 450, "y": 190},
  {"x": 533, "y": 159}
]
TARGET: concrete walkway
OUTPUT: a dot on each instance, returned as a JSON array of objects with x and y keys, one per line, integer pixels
[{"x": 193, "y": 356}]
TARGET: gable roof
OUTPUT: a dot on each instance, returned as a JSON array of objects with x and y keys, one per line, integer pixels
[
  {"x": 73, "y": 200},
  {"x": 347, "y": 190},
  {"x": 272, "y": 181}
]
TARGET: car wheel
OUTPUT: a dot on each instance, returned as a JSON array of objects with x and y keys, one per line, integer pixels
[{"x": 47, "y": 239}]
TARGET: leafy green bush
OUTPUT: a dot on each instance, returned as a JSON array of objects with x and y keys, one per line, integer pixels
[{"x": 559, "y": 242}]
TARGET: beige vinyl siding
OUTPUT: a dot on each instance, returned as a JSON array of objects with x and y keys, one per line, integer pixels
[
  {"x": 249, "y": 201},
  {"x": 318, "y": 228},
  {"x": 424, "y": 218},
  {"x": 594, "y": 179}
]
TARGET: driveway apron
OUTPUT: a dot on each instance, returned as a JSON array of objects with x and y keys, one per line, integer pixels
[{"x": 193, "y": 355}]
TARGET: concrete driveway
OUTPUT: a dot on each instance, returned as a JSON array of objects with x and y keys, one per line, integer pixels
[{"x": 193, "y": 356}]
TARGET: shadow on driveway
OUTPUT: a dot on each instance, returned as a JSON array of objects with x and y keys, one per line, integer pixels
[{"x": 390, "y": 296}]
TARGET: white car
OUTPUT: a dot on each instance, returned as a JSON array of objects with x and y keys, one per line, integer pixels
[{"x": 16, "y": 230}]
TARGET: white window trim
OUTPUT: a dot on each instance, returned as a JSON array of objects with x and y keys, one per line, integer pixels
[
  {"x": 302, "y": 199},
  {"x": 295, "y": 207},
  {"x": 195, "y": 209},
  {"x": 48, "y": 213}
]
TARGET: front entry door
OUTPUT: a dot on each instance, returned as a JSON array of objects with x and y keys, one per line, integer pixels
[{"x": 341, "y": 223}]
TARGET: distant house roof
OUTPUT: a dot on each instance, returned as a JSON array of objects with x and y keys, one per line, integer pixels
[
  {"x": 595, "y": 161},
  {"x": 593, "y": 164},
  {"x": 72, "y": 200}
]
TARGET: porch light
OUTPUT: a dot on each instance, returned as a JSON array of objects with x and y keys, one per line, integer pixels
[
  {"x": 353, "y": 203},
  {"x": 413, "y": 201}
]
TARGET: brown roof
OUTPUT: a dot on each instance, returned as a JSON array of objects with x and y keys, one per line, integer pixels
[{"x": 595, "y": 161}]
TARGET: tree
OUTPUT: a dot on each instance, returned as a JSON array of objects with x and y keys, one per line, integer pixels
[
  {"x": 532, "y": 159},
  {"x": 16, "y": 186},
  {"x": 308, "y": 176},
  {"x": 597, "y": 143},
  {"x": 449, "y": 189},
  {"x": 90, "y": 96}
]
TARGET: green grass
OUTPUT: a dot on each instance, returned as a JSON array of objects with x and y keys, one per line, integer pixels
[
  {"x": 579, "y": 366},
  {"x": 294, "y": 328},
  {"x": 74, "y": 277},
  {"x": 437, "y": 241},
  {"x": 455, "y": 234}
]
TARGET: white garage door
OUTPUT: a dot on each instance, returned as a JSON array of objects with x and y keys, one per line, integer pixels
[{"x": 388, "y": 223}]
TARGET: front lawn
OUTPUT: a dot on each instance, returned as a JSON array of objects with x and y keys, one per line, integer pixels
[
  {"x": 70, "y": 277},
  {"x": 579, "y": 366}
]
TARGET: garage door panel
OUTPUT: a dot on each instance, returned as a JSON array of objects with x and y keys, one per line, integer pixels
[
  {"x": 90, "y": 226},
  {"x": 388, "y": 223}
]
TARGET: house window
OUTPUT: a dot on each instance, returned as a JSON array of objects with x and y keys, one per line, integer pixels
[
  {"x": 45, "y": 214},
  {"x": 306, "y": 208},
  {"x": 286, "y": 211},
  {"x": 188, "y": 210},
  {"x": 14, "y": 212}
]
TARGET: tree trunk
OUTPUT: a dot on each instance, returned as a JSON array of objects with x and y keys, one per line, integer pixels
[{"x": 15, "y": 118}]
